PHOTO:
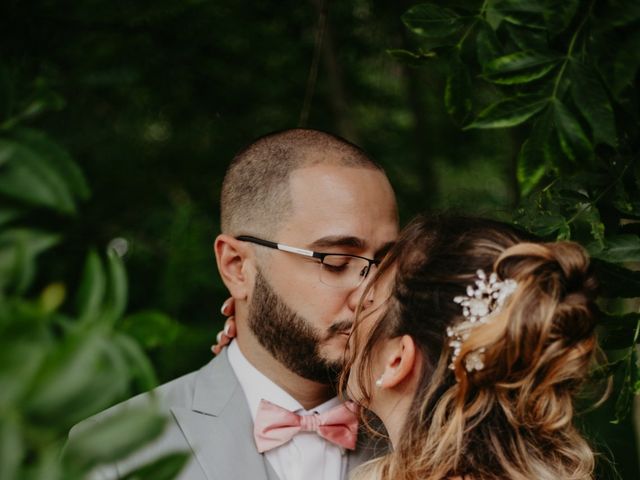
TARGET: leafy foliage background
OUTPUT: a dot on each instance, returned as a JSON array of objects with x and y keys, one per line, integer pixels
[{"x": 522, "y": 110}]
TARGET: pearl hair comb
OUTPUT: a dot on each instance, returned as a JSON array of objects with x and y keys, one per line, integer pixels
[{"x": 484, "y": 299}]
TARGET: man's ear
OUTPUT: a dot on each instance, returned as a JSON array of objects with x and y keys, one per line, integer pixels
[
  {"x": 400, "y": 359},
  {"x": 234, "y": 258}
]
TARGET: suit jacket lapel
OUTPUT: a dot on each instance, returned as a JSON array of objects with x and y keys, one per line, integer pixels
[{"x": 219, "y": 427}]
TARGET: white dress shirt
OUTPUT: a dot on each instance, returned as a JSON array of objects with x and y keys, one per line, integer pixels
[{"x": 307, "y": 456}]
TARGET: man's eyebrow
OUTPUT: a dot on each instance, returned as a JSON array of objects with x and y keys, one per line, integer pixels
[
  {"x": 338, "y": 241},
  {"x": 382, "y": 251}
]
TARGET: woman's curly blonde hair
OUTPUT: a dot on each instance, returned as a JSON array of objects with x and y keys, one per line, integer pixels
[{"x": 514, "y": 418}]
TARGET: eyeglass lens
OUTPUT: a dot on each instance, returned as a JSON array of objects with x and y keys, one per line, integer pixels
[{"x": 343, "y": 271}]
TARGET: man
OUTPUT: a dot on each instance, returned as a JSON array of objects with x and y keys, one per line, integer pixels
[{"x": 305, "y": 217}]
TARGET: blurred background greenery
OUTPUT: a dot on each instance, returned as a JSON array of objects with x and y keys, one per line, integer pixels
[{"x": 151, "y": 99}]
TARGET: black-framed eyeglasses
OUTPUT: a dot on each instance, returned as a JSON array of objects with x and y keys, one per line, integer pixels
[{"x": 340, "y": 270}]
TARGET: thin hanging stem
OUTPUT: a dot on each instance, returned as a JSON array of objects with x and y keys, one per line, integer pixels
[{"x": 313, "y": 69}]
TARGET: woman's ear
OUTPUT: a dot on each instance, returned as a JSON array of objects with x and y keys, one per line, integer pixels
[
  {"x": 233, "y": 258},
  {"x": 400, "y": 359}
]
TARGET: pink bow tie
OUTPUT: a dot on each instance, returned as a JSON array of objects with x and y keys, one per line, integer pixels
[{"x": 275, "y": 426}]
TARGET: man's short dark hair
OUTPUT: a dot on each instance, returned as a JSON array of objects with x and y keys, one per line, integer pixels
[{"x": 255, "y": 192}]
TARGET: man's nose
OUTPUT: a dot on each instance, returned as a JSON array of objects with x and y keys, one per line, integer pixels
[{"x": 356, "y": 296}]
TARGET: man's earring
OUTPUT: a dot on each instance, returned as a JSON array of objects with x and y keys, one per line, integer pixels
[{"x": 379, "y": 381}]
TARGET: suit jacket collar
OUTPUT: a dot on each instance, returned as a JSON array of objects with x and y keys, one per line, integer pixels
[{"x": 219, "y": 427}]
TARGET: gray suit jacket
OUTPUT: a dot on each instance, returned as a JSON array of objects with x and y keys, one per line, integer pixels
[{"x": 208, "y": 416}]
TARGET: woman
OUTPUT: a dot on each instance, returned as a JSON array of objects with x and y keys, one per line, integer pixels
[{"x": 470, "y": 348}]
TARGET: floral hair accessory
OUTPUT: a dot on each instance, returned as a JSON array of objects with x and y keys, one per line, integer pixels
[{"x": 483, "y": 299}]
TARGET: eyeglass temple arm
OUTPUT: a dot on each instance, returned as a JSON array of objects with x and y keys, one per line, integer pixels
[{"x": 280, "y": 246}]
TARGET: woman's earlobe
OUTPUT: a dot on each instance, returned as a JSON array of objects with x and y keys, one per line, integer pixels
[{"x": 401, "y": 361}]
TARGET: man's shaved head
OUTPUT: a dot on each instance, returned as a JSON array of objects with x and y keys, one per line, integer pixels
[{"x": 255, "y": 192}]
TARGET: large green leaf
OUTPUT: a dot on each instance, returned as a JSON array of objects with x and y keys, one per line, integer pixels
[
  {"x": 625, "y": 396},
  {"x": 527, "y": 39},
  {"x": 532, "y": 161},
  {"x": 68, "y": 372},
  {"x": 30, "y": 177},
  {"x": 6, "y": 95},
  {"x": 113, "y": 437},
  {"x": 12, "y": 449},
  {"x": 591, "y": 99},
  {"x": 617, "y": 249},
  {"x": 92, "y": 289},
  {"x": 165, "y": 468},
  {"x": 457, "y": 92},
  {"x": 19, "y": 248},
  {"x": 519, "y": 67},
  {"x": 559, "y": 13},
  {"x": 432, "y": 21},
  {"x": 509, "y": 112},
  {"x": 412, "y": 59},
  {"x": 625, "y": 64},
  {"x": 527, "y": 13},
  {"x": 117, "y": 292},
  {"x": 622, "y": 12},
  {"x": 140, "y": 368},
  {"x": 573, "y": 140},
  {"x": 20, "y": 359},
  {"x": 57, "y": 157},
  {"x": 487, "y": 43}
]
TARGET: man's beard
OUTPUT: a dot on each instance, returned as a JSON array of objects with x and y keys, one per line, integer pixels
[{"x": 289, "y": 337}]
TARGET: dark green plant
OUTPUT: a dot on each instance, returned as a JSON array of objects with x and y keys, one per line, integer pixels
[
  {"x": 61, "y": 363},
  {"x": 564, "y": 75}
]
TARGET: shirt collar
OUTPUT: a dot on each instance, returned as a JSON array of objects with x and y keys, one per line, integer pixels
[{"x": 258, "y": 386}]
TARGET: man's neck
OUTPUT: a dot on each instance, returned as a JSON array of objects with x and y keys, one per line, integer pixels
[{"x": 309, "y": 393}]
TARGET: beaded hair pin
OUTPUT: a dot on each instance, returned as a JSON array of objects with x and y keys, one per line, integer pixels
[{"x": 484, "y": 299}]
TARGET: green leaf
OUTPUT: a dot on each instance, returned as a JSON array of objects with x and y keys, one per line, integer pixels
[
  {"x": 52, "y": 297},
  {"x": 625, "y": 396},
  {"x": 18, "y": 251},
  {"x": 116, "y": 301},
  {"x": 114, "y": 437},
  {"x": 8, "y": 215},
  {"x": 519, "y": 67},
  {"x": 21, "y": 359},
  {"x": 527, "y": 13},
  {"x": 559, "y": 13},
  {"x": 40, "y": 102},
  {"x": 432, "y": 21},
  {"x": 165, "y": 468},
  {"x": 30, "y": 178},
  {"x": 573, "y": 140},
  {"x": 623, "y": 12},
  {"x": 457, "y": 92},
  {"x": 140, "y": 368},
  {"x": 591, "y": 99},
  {"x": 616, "y": 281},
  {"x": 617, "y": 249},
  {"x": 6, "y": 94},
  {"x": 57, "y": 157},
  {"x": 66, "y": 375},
  {"x": 488, "y": 46},
  {"x": 152, "y": 329},
  {"x": 625, "y": 65},
  {"x": 412, "y": 59},
  {"x": 532, "y": 162},
  {"x": 509, "y": 112},
  {"x": 527, "y": 38},
  {"x": 12, "y": 449},
  {"x": 92, "y": 288}
]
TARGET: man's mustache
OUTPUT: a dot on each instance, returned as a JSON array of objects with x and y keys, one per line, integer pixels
[{"x": 339, "y": 327}]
